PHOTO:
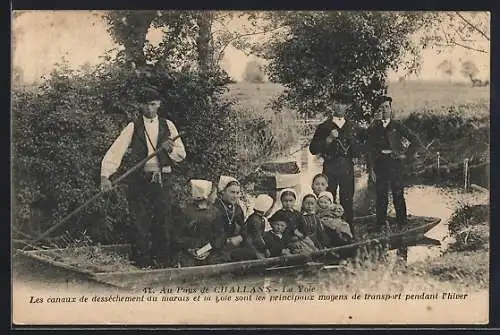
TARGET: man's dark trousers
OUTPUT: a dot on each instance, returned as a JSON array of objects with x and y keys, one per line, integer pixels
[
  {"x": 150, "y": 205},
  {"x": 340, "y": 173},
  {"x": 389, "y": 175}
]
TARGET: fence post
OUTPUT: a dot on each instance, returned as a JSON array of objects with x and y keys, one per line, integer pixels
[
  {"x": 438, "y": 166},
  {"x": 466, "y": 175}
]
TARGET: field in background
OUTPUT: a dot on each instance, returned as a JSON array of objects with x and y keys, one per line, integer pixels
[
  {"x": 409, "y": 96},
  {"x": 431, "y": 101}
]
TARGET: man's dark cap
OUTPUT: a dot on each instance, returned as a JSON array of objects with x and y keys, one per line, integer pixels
[
  {"x": 150, "y": 94},
  {"x": 343, "y": 98},
  {"x": 380, "y": 100}
]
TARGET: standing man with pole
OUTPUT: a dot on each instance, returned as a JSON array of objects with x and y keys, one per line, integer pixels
[
  {"x": 388, "y": 157},
  {"x": 148, "y": 191},
  {"x": 335, "y": 141}
]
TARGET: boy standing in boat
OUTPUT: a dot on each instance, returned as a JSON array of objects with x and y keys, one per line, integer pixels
[
  {"x": 148, "y": 191},
  {"x": 389, "y": 157}
]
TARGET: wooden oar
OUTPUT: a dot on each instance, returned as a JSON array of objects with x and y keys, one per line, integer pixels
[{"x": 98, "y": 195}]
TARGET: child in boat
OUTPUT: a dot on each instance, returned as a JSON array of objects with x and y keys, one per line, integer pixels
[
  {"x": 319, "y": 184},
  {"x": 292, "y": 217},
  {"x": 256, "y": 224},
  {"x": 274, "y": 238},
  {"x": 310, "y": 225},
  {"x": 194, "y": 235},
  {"x": 330, "y": 215}
]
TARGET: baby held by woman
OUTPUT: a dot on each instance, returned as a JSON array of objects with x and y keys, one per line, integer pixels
[{"x": 318, "y": 225}]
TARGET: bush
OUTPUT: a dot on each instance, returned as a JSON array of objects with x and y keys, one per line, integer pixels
[
  {"x": 456, "y": 133},
  {"x": 60, "y": 134},
  {"x": 63, "y": 128},
  {"x": 469, "y": 225}
]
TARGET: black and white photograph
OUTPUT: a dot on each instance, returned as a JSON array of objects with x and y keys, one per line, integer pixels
[{"x": 217, "y": 167}]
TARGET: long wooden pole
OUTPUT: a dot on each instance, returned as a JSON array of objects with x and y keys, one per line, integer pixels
[{"x": 98, "y": 195}]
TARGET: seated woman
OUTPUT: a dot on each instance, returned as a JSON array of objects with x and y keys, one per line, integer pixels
[
  {"x": 229, "y": 222},
  {"x": 195, "y": 237},
  {"x": 256, "y": 224}
]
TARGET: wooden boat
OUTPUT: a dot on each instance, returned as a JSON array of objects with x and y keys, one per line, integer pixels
[{"x": 413, "y": 234}]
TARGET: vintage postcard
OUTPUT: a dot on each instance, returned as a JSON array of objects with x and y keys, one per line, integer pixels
[{"x": 250, "y": 168}]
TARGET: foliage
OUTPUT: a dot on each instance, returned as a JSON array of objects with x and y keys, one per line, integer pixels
[
  {"x": 445, "y": 30},
  {"x": 331, "y": 56},
  {"x": 64, "y": 127},
  {"x": 60, "y": 135},
  {"x": 82, "y": 253},
  {"x": 177, "y": 48},
  {"x": 190, "y": 38},
  {"x": 446, "y": 67},
  {"x": 469, "y": 225},
  {"x": 469, "y": 70},
  {"x": 456, "y": 134}
]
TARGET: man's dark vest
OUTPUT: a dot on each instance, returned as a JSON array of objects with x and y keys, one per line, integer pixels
[{"x": 138, "y": 147}]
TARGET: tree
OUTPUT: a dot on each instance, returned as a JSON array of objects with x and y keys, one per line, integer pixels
[
  {"x": 129, "y": 28},
  {"x": 469, "y": 70},
  {"x": 467, "y": 30},
  {"x": 250, "y": 26},
  {"x": 202, "y": 36},
  {"x": 254, "y": 72},
  {"x": 328, "y": 56},
  {"x": 447, "y": 68},
  {"x": 204, "y": 41}
]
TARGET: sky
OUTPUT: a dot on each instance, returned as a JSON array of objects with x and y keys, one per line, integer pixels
[{"x": 43, "y": 38}]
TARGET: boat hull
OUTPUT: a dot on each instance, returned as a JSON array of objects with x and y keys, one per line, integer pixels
[{"x": 411, "y": 235}]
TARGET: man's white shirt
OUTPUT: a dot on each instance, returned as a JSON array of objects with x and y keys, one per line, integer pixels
[
  {"x": 385, "y": 122},
  {"x": 113, "y": 158},
  {"x": 339, "y": 121}
]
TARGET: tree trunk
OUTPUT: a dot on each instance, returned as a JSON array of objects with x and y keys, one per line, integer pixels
[
  {"x": 134, "y": 45},
  {"x": 204, "y": 41}
]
